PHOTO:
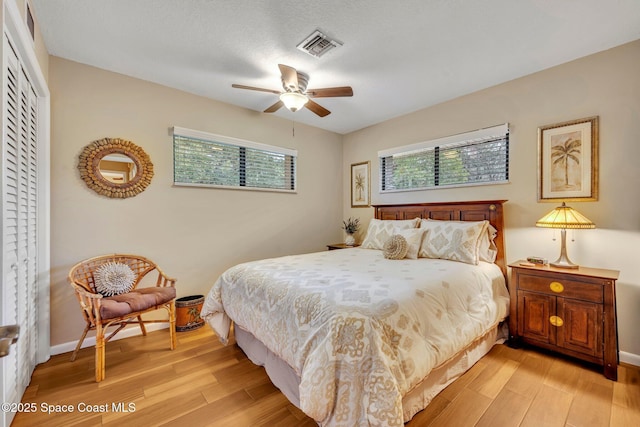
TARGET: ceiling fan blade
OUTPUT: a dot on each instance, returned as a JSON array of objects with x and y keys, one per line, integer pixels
[
  {"x": 317, "y": 108},
  {"x": 329, "y": 92},
  {"x": 289, "y": 77},
  {"x": 277, "y": 92},
  {"x": 275, "y": 107}
]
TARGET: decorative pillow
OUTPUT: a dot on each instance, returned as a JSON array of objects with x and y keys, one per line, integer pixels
[
  {"x": 453, "y": 240},
  {"x": 113, "y": 278},
  {"x": 396, "y": 247},
  {"x": 413, "y": 237},
  {"x": 380, "y": 230},
  {"x": 488, "y": 251}
]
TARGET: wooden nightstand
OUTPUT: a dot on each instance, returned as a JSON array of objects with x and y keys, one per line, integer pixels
[
  {"x": 569, "y": 311},
  {"x": 340, "y": 246}
]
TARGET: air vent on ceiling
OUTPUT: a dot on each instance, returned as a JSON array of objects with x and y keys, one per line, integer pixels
[{"x": 317, "y": 44}]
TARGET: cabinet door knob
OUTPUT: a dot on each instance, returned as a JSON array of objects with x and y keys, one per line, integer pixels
[
  {"x": 556, "y": 287},
  {"x": 556, "y": 321}
]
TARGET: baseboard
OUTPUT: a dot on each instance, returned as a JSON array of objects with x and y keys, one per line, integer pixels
[
  {"x": 129, "y": 331},
  {"x": 133, "y": 330},
  {"x": 630, "y": 358}
]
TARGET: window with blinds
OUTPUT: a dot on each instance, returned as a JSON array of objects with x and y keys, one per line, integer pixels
[
  {"x": 472, "y": 158},
  {"x": 209, "y": 160}
]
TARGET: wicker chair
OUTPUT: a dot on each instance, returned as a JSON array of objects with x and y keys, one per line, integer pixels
[{"x": 101, "y": 312}]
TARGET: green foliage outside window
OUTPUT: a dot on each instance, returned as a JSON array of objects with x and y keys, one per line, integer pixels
[
  {"x": 211, "y": 163},
  {"x": 463, "y": 163}
]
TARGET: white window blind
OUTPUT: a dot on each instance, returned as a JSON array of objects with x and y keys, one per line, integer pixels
[
  {"x": 205, "y": 159},
  {"x": 472, "y": 158}
]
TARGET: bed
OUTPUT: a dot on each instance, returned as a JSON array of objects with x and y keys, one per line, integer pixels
[{"x": 353, "y": 338}]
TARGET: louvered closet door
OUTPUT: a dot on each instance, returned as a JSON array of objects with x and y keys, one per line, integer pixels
[
  {"x": 19, "y": 209},
  {"x": 26, "y": 231}
]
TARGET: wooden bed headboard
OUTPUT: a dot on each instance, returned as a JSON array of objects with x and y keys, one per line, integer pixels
[{"x": 490, "y": 210}]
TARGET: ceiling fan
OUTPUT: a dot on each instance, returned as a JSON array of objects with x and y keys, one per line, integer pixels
[{"x": 296, "y": 96}]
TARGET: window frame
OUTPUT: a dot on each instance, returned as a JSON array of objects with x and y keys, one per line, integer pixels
[
  {"x": 434, "y": 146},
  {"x": 242, "y": 144}
]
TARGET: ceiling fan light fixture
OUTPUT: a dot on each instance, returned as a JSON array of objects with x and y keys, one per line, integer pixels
[
  {"x": 293, "y": 100},
  {"x": 296, "y": 95}
]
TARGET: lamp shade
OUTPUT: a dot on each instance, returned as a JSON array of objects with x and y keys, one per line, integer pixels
[
  {"x": 564, "y": 217},
  {"x": 293, "y": 100}
]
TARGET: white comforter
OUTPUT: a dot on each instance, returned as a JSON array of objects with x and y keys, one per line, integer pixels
[{"x": 358, "y": 329}]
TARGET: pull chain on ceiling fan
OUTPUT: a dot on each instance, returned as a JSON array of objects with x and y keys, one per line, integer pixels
[{"x": 296, "y": 96}]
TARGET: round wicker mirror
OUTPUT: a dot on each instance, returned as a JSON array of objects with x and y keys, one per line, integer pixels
[{"x": 115, "y": 168}]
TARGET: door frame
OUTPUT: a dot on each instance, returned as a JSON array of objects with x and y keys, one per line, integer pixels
[{"x": 15, "y": 28}]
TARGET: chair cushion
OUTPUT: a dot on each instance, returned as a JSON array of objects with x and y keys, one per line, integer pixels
[{"x": 137, "y": 300}]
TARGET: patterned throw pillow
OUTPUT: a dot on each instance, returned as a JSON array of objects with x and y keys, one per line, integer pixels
[
  {"x": 113, "y": 278},
  {"x": 396, "y": 247},
  {"x": 380, "y": 230},
  {"x": 453, "y": 240}
]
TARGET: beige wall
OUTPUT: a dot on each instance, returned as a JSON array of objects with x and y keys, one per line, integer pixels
[
  {"x": 607, "y": 85},
  {"x": 197, "y": 233},
  {"x": 193, "y": 233}
]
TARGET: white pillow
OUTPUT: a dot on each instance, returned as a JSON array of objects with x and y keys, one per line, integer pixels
[
  {"x": 113, "y": 278},
  {"x": 453, "y": 240},
  {"x": 380, "y": 230},
  {"x": 413, "y": 236},
  {"x": 488, "y": 251}
]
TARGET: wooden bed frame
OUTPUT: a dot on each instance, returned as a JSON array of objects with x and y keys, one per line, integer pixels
[{"x": 491, "y": 210}]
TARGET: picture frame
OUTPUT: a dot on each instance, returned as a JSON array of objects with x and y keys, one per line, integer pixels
[
  {"x": 568, "y": 160},
  {"x": 361, "y": 185}
]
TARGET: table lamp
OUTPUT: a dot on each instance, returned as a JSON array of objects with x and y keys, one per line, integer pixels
[{"x": 564, "y": 217}]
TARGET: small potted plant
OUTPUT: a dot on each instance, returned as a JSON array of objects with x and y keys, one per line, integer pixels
[{"x": 350, "y": 226}]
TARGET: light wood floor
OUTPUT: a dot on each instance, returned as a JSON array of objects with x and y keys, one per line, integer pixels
[{"x": 203, "y": 383}]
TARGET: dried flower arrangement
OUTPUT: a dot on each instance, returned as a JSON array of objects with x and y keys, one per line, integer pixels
[{"x": 351, "y": 226}]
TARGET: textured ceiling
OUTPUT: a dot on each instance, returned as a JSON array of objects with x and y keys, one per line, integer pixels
[{"x": 399, "y": 56}]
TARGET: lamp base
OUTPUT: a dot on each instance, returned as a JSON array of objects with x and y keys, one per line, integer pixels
[
  {"x": 563, "y": 260},
  {"x": 561, "y": 264}
]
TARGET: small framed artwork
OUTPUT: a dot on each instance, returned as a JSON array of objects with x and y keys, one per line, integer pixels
[
  {"x": 360, "y": 185},
  {"x": 568, "y": 161}
]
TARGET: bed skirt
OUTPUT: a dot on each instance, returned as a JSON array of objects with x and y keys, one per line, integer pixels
[{"x": 286, "y": 379}]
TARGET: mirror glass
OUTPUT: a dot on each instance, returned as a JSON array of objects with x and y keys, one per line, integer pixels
[{"x": 117, "y": 168}]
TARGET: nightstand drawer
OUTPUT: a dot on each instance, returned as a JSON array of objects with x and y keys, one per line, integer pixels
[{"x": 562, "y": 287}]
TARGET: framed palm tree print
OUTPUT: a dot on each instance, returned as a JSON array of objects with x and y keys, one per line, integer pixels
[
  {"x": 568, "y": 160},
  {"x": 360, "y": 185}
]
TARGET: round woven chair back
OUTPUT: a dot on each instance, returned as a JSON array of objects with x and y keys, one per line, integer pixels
[{"x": 81, "y": 274}]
